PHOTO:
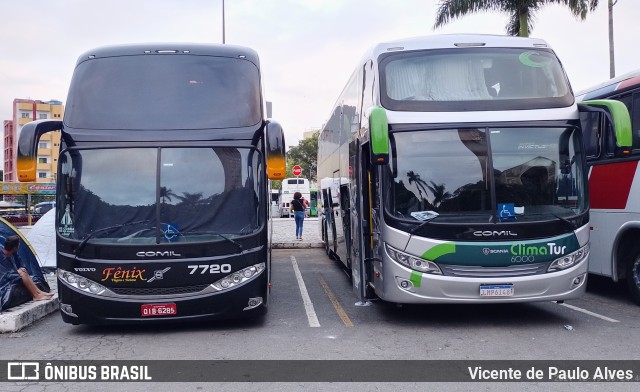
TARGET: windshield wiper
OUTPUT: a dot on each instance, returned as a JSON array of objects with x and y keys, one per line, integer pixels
[
  {"x": 571, "y": 225},
  {"x": 90, "y": 235},
  {"x": 423, "y": 224},
  {"x": 234, "y": 242}
]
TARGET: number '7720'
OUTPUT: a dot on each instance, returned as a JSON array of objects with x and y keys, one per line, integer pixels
[{"x": 210, "y": 268}]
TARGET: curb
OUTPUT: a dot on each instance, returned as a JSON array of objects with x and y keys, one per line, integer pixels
[
  {"x": 19, "y": 317},
  {"x": 14, "y": 319},
  {"x": 297, "y": 245}
]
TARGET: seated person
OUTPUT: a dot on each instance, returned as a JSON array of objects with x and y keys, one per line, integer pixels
[{"x": 13, "y": 275}]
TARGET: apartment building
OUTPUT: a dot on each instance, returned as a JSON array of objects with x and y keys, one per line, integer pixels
[{"x": 24, "y": 111}]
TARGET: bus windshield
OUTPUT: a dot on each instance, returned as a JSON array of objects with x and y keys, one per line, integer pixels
[
  {"x": 160, "y": 195},
  {"x": 462, "y": 175},
  {"x": 473, "y": 79},
  {"x": 164, "y": 92}
]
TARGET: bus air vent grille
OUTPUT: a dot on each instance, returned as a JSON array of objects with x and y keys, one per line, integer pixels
[
  {"x": 158, "y": 290},
  {"x": 493, "y": 272}
]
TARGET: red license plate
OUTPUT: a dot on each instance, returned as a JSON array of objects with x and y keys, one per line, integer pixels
[{"x": 152, "y": 310}]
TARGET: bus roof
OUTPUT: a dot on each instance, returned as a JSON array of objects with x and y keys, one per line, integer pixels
[
  {"x": 452, "y": 41},
  {"x": 160, "y": 49},
  {"x": 607, "y": 88}
]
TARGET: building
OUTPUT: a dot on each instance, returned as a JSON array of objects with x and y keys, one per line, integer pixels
[
  {"x": 24, "y": 111},
  {"x": 309, "y": 134}
]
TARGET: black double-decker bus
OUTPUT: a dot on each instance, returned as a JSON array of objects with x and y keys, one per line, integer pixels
[{"x": 162, "y": 186}]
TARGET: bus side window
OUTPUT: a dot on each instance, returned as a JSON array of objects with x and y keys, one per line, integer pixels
[
  {"x": 325, "y": 200},
  {"x": 610, "y": 141},
  {"x": 591, "y": 134}
]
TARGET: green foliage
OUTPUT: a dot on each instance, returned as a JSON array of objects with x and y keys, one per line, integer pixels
[
  {"x": 521, "y": 12},
  {"x": 304, "y": 154}
]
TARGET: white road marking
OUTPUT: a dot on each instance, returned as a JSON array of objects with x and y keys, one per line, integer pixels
[
  {"x": 590, "y": 313},
  {"x": 308, "y": 305}
]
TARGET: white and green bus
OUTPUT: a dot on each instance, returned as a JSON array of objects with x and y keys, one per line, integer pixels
[{"x": 452, "y": 169}]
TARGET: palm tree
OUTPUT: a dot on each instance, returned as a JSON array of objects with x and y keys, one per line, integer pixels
[
  {"x": 521, "y": 12},
  {"x": 166, "y": 194},
  {"x": 421, "y": 185},
  {"x": 190, "y": 198},
  {"x": 440, "y": 194}
]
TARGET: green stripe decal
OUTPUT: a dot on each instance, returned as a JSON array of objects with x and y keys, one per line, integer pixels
[
  {"x": 525, "y": 58},
  {"x": 439, "y": 250},
  {"x": 416, "y": 278}
]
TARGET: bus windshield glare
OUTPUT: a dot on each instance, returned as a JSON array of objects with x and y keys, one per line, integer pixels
[
  {"x": 164, "y": 92},
  {"x": 473, "y": 79},
  {"x": 461, "y": 175},
  {"x": 155, "y": 195}
]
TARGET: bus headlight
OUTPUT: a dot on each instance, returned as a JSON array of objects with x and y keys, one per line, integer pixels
[
  {"x": 413, "y": 262},
  {"x": 569, "y": 260},
  {"x": 81, "y": 283},
  {"x": 238, "y": 277}
]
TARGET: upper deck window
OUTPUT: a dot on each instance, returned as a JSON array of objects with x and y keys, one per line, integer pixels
[
  {"x": 149, "y": 92},
  {"x": 473, "y": 79}
]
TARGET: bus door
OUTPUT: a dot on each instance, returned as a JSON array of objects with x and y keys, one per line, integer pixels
[
  {"x": 361, "y": 215},
  {"x": 330, "y": 243},
  {"x": 345, "y": 210},
  {"x": 338, "y": 213}
]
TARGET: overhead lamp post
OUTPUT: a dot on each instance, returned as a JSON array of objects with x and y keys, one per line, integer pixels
[{"x": 612, "y": 61}]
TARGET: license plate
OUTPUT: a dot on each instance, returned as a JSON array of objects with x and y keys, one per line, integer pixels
[
  {"x": 496, "y": 290},
  {"x": 152, "y": 310}
]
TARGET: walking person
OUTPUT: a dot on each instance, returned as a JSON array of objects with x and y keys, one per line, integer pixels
[{"x": 298, "y": 208}]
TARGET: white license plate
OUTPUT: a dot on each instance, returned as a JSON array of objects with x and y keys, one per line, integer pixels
[
  {"x": 496, "y": 290},
  {"x": 153, "y": 310}
]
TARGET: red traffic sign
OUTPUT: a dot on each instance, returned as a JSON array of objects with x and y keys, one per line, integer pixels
[{"x": 297, "y": 170}]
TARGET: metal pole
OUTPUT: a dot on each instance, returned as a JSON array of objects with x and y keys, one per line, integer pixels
[
  {"x": 612, "y": 62},
  {"x": 223, "y": 22}
]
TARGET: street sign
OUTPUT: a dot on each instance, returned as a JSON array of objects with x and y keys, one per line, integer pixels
[
  {"x": 21, "y": 188},
  {"x": 297, "y": 170}
]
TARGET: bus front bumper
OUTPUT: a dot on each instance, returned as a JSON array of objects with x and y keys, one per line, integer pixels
[
  {"x": 248, "y": 300},
  {"x": 403, "y": 285}
]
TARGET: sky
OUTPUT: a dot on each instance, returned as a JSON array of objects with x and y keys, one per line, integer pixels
[{"x": 308, "y": 48}]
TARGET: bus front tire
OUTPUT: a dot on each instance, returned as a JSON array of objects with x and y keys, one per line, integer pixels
[{"x": 633, "y": 278}]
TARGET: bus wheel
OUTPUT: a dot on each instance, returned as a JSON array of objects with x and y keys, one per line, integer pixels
[{"x": 633, "y": 278}]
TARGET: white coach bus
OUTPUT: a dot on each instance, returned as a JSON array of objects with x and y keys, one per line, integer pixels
[
  {"x": 614, "y": 186},
  {"x": 459, "y": 167}
]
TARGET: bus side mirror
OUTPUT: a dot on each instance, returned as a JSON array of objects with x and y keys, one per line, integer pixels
[
  {"x": 379, "y": 132},
  {"x": 275, "y": 151},
  {"x": 28, "y": 147},
  {"x": 616, "y": 117}
]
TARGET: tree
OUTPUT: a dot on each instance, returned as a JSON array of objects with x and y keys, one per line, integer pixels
[
  {"x": 521, "y": 12},
  {"x": 304, "y": 154},
  {"x": 166, "y": 194}
]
